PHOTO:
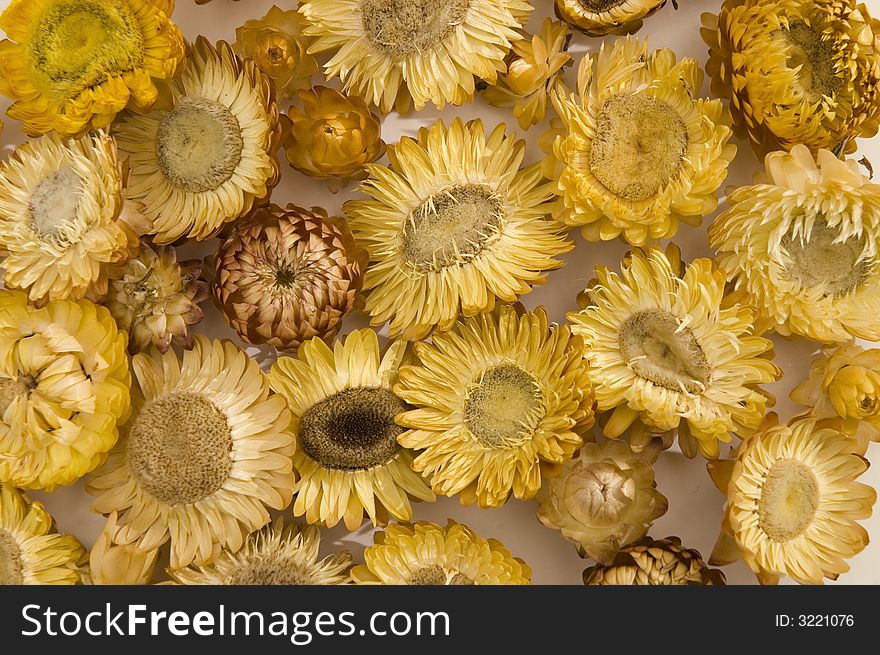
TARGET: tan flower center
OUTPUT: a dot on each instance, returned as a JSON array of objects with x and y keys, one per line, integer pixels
[
  {"x": 789, "y": 500},
  {"x": 77, "y": 44},
  {"x": 437, "y": 575},
  {"x": 451, "y": 227},
  {"x": 10, "y": 390},
  {"x": 825, "y": 259},
  {"x": 276, "y": 52},
  {"x": 199, "y": 144},
  {"x": 598, "y": 6},
  {"x": 54, "y": 204},
  {"x": 270, "y": 570},
  {"x": 639, "y": 146},
  {"x": 656, "y": 347},
  {"x": 10, "y": 560},
  {"x": 815, "y": 57},
  {"x": 353, "y": 429},
  {"x": 504, "y": 407},
  {"x": 179, "y": 448},
  {"x": 599, "y": 495},
  {"x": 406, "y": 27}
]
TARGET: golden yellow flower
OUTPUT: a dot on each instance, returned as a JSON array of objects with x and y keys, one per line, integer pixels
[
  {"x": 638, "y": 150},
  {"x": 796, "y": 71},
  {"x": 71, "y": 65},
  {"x": 206, "y": 153},
  {"x": 333, "y": 136},
  {"x": 114, "y": 564},
  {"x": 793, "y": 503},
  {"x": 348, "y": 459},
  {"x": 665, "y": 347},
  {"x": 288, "y": 275},
  {"x": 204, "y": 457},
  {"x": 61, "y": 217},
  {"x": 276, "y": 555},
  {"x": 650, "y": 562},
  {"x": 496, "y": 398},
  {"x": 803, "y": 242},
  {"x": 397, "y": 52},
  {"x": 601, "y": 17},
  {"x": 278, "y": 45},
  {"x": 603, "y": 499},
  {"x": 423, "y": 553},
  {"x": 534, "y": 70},
  {"x": 156, "y": 299},
  {"x": 31, "y": 551},
  {"x": 63, "y": 386},
  {"x": 844, "y": 383},
  {"x": 451, "y": 225}
]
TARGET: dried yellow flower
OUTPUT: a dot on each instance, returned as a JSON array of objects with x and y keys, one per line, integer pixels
[
  {"x": 649, "y": 562},
  {"x": 601, "y": 17}
]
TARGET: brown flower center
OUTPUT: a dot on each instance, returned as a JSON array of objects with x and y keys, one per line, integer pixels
[
  {"x": 815, "y": 57},
  {"x": 77, "y": 44},
  {"x": 199, "y": 144},
  {"x": 437, "y": 575},
  {"x": 451, "y": 227},
  {"x": 179, "y": 448},
  {"x": 405, "y": 27},
  {"x": 10, "y": 560},
  {"x": 657, "y": 348},
  {"x": 824, "y": 259},
  {"x": 353, "y": 429},
  {"x": 504, "y": 406},
  {"x": 270, "y": 570},
  {"x": 54, "y": 204},
  {"x": 639, "y": 146},
  {"x": 11, "y": 389},
  {"x": 789, "y": 500},
  {"x": 598, "y": 6}
]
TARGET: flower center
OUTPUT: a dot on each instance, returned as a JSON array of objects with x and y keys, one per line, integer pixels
[
  {"x": 10, "y": 390},
  {"x": 451, "y": 227},
  {"x": 275, "y": 52},
  {"x": 179, "y": 448},
  {"x": 353, "y": 429},
  {"x": 504, "y": 407},
  {"x": 599, "y": 495},
  {"x": 815, "y": 58},
  {"x": 658, "y": 349},
  {"x": 437, "y": 575},
  {"x": 598, "y": 6},
  {"x": 270, "y": 571},
  {"x": 54, "y": 204},
  {"x": 77, "y": 44},
  {"x": 789, "y": 500},
  {"x": 406, "y": 27},
  {"x": 824, "y": 260},
  {"x": 639, "y": 145},
  {"x": 10, "y": 560},
  {"x": 199, "y": 144}
]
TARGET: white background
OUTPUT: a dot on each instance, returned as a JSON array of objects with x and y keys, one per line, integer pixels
[{"x": 695, "y": 505}]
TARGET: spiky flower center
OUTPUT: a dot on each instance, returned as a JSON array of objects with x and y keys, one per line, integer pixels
[
  {"x": 789, "y": 500},
  {"x": 54, "y": 204},
  {"x": 639, "y": 146},
  {"x": 406, "y": 27},
  {"x": 598, "y": 6},
  {"x": 660, "y": 349},
  {"x": 504, "y": 407},
  {"x": 199, "y": 144},
  {"x": 10, "y": 560},
  {"x": 77, "y": 44},
  {"x": 452, "y": 227},
  {"x": 600, "y": 494},
  {"x": 12, "y": 389},
  {"x": 824, "y": 259},
  {"x": 437, "y": 575},
  {"x": 271, "y": 570},
  {"x": 179, "y": 448},
  {"x": 353, "y": 429},
  {"x": 815, "y": 58}
]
